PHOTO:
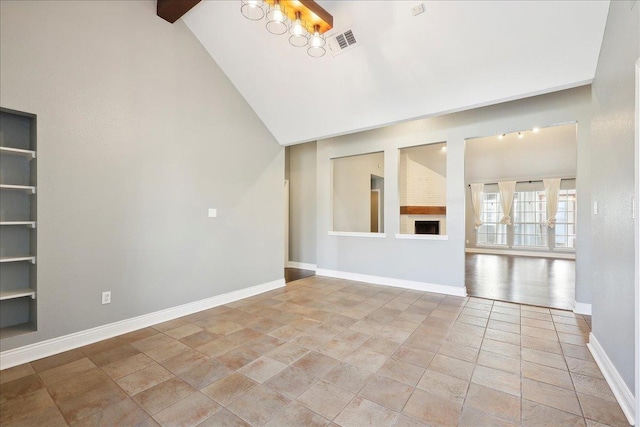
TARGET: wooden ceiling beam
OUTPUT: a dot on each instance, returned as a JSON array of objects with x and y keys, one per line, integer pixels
[{"x": 172, "y": 10}]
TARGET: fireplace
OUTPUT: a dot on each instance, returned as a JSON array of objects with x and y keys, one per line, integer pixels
[{"x": 427, "y": 227}]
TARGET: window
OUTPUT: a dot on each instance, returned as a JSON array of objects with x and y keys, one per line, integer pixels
[
  {"x": 491, "y": 232},
  {"x": 566, "y": 220},
  {"x": 529, "y": 219}
]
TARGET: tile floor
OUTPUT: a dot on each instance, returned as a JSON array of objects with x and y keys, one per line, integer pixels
[{"x": 327, "y": 352}]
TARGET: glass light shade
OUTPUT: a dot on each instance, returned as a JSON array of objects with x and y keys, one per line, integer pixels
[
  {"x": 277, "y": 19},
  {"x": 252, "y": 9},
  {"x": 298, "y": 32},
  {"x": 316, "y": 44}
]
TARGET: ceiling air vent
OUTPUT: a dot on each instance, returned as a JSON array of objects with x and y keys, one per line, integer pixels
[{"x": 342, "y": 42}]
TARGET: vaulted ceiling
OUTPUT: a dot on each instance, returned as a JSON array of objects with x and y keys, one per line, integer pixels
[{"x": 455, "y": 56}]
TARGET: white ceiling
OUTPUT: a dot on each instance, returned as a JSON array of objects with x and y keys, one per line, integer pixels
[{"x": 457, "y": 55}]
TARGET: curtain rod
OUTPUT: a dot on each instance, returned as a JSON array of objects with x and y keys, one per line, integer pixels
[{"x": 529, "y": 181}]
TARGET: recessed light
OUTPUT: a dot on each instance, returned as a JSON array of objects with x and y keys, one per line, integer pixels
[
  {"x": 535, "y": 130},
  {"x": 501, "y": 136},
  {"x": 444, "y": 148},
  {"x": 520, "y": 135}
]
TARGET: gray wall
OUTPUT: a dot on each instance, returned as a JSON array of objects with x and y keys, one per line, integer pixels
[
  {"x": 302, "y": 202},
  {"x": 139, "y": 132},
  {"x": 613, "y": 183},
  {"x": 442, "y": 261}
]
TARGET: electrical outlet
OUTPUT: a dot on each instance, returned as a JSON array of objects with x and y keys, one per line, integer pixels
[
  {"x": 417, "y": 10},
  {"x": 106, "y": 297}
]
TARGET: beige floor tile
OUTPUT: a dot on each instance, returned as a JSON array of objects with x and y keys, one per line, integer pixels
[
  {"x": 541, "y": 344},
  {"x": 432, "y": 410},
  {"x": 138, "y": 335},
  {"x": 81, "y": 383},
  {"x": 22, "y": 407},
  {"x": 496, "y": 379},
  {"x": 183, "y": 331},
  {"x": 19, "y": 387},
  {"x": 160, "y": 396},
  {"x": 170, "y": 324},
  {"x": 405, "y": 421},
  {"x": 199, "y": 338},
  {"x": 228, "y": 389},
  {"x": 415, "y": 356},
  {"x": 288, "y": 353},
  {"x": 17, "y": 372},
  {"x": 238, "y": 357},
  {"x": 203, "y": 373},
  {"x": 362, "y": 412},
  {"x": 167, "y": 350},
  {"x": 593, "y": 386},
  {"x": 296, "y": 415},
  {"x": 128, "y": 366},
  {"x": 577, "y": 339},
  {"x": 537, "y": 415},
  {"x": 502, "y": 336},
  {"x": 190, "y": 411},
  {"x": 577, "y": 351},
  {"x": 452, "y": 366},
  {"x": 603, "y": 411},
  {"x": 224, "y": 418},
  {"x": 550, "y": 395},
  {"x": 261, "y": 369},
  {"x": 381, "y": 345},
  {"x": 291, "y": 382},
  {"x": 316, "y": 364},
  {"x": 49, "y": 417},
  {"x": 66, "y": 371},
  {"x": 349, "y": 377},
  {"x": 468, "y": 354},
  {"x": 584, "y": 367},
  {"x": 259, "y": 405},
  {"x": 444, "y": 385},
  {"x": 404, "y": 372},
  {"x": 505, "y": 318},
  {"x": 499, "y": 361},
  {"x": 366, "y": 359},
  {"x": 493, "y": 402},
  {"x": 95, "y": 400},
  {"x": 474, "y": 418},
  {"x": 387, "y": 392},
  {"x": 543, "y": 358},
  {"x": 538, "y": 323},
  {"x": 325, "y": 399},
  {"x": 499, "y": 347},
  {"x": 338, "y": 349},
  {"x": 55, "y": 360},
  {"x": 151, "y": 342},
  {"x": 354, "y": 337},
  {"x": 143, "y": 379},
  {"x": 123, "y": 413},
  {"x": 498, "y": 325},
  {"x": 547, "y": 374},
  {"x": 531, "y": 331},
  {"x": 113, "y": 355}
]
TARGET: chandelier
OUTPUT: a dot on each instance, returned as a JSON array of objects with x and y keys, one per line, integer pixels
[{"x": 304, "y": 20}]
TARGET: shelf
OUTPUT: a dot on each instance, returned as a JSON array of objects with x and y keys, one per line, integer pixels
[
  {"x": 17, "y": 293},
  {"x": 31, "y": 259},
  {"x": 15, "y": 330},
  {"x": 18, "y": 152},
  {"x": 28, "y": 188},
  {"x": 31, "y": 224}
]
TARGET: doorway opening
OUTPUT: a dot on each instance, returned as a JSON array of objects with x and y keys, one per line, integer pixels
[{"x": 521, "y": 216}]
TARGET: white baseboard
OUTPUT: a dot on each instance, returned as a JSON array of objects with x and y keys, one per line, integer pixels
[
  {"x": 397, "y": 283},
  {"x": 618, "y": 387},
  {"x": 581, "y": 308},
  {"x": 497, "y": 251},
  {"x": 29, "y": 353},
  {"x": 301, "y": 265}
]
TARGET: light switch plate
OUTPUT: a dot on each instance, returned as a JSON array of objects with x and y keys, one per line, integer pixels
[{"x": 213, "y": 213}]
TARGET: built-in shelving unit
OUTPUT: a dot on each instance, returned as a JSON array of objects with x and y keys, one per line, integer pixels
[
  {"x": 18, "y": 214},
  {"x": 30, "y": 154},
  {"x": 17, "y": 293}
]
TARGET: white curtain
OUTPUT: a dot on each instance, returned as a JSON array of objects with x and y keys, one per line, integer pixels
[
  {"x": 507, "y": 190},
  {"x": 552, "y": 193},
  {"x": 477, "y": 191}
]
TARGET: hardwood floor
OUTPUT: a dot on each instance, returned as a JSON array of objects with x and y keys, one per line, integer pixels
[
  {"x": 543, "y": 282},
  {"x": 293, "y": 274}
]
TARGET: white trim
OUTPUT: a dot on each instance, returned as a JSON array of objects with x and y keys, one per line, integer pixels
[
  {"x": 636, "y": 221},
  {"x": 396, "y": 283},
  {"x": 618, "y": 387},
  {"x": 422, "y": 236},
  {"x": 492, "y": 251},
  {"x": 581, "y": 308},
  {"x": 301, "y": 265},
  {"x": 28, "y": 353},
  {"x": 356, "y": 234}
]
